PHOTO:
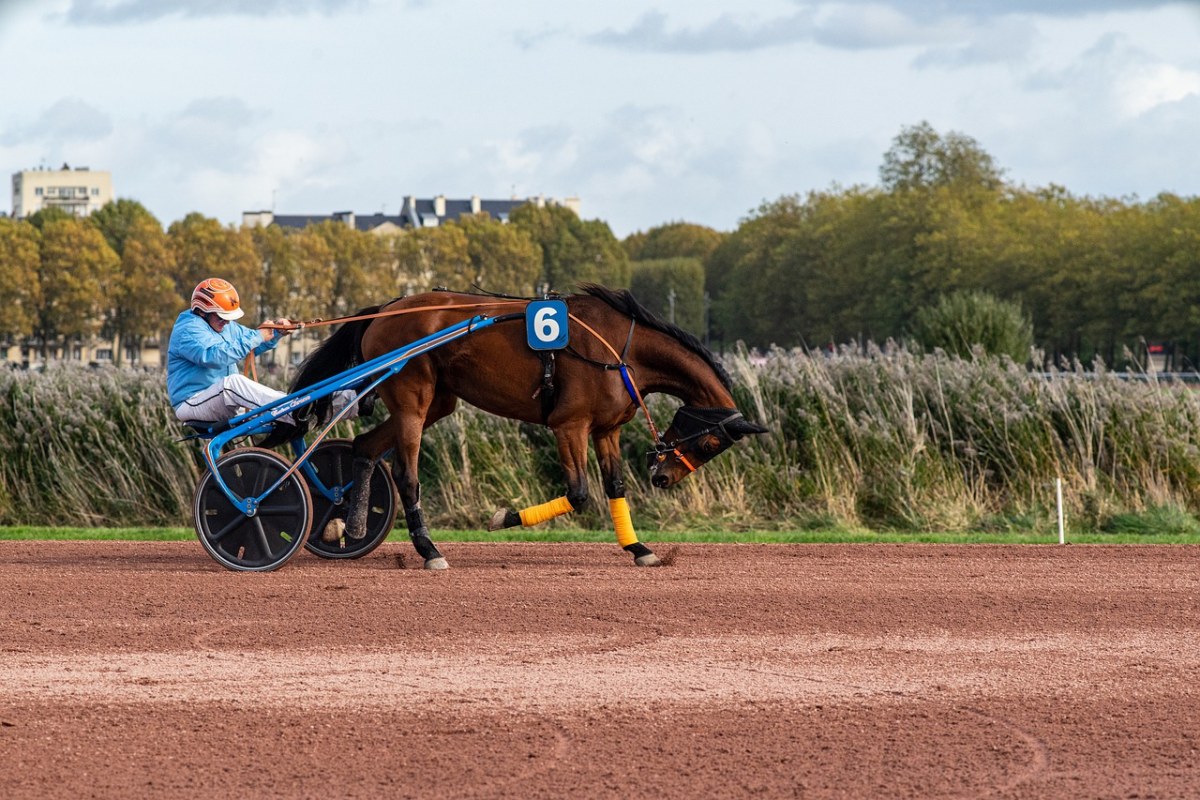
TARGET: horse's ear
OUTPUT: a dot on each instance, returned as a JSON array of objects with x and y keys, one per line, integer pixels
[{"x": 743, "y": 427}]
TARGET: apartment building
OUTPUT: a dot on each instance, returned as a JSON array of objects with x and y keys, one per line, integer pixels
[{"x": 78, "y": 190}]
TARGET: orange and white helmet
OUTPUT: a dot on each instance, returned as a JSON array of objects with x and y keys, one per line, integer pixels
[{"x": 217, "y": 296}]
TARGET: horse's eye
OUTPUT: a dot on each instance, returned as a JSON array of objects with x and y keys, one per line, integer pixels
[{"x": 710, "y": 445}]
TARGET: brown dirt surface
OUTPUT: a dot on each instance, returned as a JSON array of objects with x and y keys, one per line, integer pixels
[{"x": 561, "y": 670}]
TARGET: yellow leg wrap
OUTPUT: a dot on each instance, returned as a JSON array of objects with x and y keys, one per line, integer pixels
[
  {"x": 622, "y": 522},
  {"x": 537, "y": 514}
]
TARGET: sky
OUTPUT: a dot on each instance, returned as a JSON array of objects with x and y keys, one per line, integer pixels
[{"x": 648, "y": 111}]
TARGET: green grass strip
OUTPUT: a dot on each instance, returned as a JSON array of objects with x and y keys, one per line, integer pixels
[
  {"x": 97, "y": 534},
  {"x": 703, "y": 537}
]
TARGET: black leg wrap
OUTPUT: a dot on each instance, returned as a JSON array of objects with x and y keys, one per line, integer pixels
[
  {"x": 424, "y": 545},
  {"x": 414, "y": 518},
  {"x": 511, "y": 519},
  {"x": 577, "y": 499},
  {"x": 614, "y": 487},
  {"x": 638, "y": 550}
]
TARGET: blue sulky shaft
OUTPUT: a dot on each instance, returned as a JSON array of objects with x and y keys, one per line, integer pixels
[{"x": 362, "y": 378}]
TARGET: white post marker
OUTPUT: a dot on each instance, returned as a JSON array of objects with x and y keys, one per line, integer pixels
[{"x": 1062, "y": 537}]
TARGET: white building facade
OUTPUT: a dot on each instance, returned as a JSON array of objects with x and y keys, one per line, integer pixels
[{"x": 78, "y": 191}]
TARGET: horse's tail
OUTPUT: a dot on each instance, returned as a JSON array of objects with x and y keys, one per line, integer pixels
[{"x": 338, "y": 353}]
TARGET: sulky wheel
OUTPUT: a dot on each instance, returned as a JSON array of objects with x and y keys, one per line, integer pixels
[
  {"x": 333, "y": 461},
  {"x": 266, "y": 540}
]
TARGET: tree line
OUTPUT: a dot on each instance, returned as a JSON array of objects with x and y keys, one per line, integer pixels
[
  {"x": 1094, "y": 276},
  {"x": 119, "y": 273}
]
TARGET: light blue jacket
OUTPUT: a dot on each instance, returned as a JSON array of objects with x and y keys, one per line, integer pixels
[{"x": 198, "y": 356}]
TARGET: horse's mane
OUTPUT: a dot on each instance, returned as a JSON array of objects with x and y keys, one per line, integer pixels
[{"x": 624, "y": 302}]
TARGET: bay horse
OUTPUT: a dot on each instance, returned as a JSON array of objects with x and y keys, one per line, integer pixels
[{"x": 618, "y": 353}]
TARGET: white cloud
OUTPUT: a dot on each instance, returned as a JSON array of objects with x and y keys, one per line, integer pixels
[
  {"x": 725, "y": 33},
  {"x": 1009, "y": 40},
  {"x": 281, "y": 166},
  {"x": 874, "y": 25},
  {"x": 991, "y": 9},
  {"x": 120, "y": 12},
  {"x": 1148, "y": 86},
  {"x": 67, "y": 121},
  {"x": 1117, "y": 77}
]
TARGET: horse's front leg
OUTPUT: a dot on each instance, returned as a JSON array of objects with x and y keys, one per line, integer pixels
[
  {"x": 572, "y": 454},
  {"x": 404, "y": 471},
  {"x": 415, "y": 406},
  {"x": 608, "y": 453}
]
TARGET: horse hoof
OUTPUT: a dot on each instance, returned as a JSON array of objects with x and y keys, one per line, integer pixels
[
  {"x": 497, "y": 520},
  {"x": 333, "y": 530},
  {"x": 648, "y": 560},
  {"x": 437, "y": 563}
]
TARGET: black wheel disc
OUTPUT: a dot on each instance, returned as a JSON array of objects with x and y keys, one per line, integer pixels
[
  {"x": 278, "y": 528},
  {"x": 333, "y": 461}
]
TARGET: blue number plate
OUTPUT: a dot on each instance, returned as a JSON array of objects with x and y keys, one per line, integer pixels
[{"x": 546, "y": 324}]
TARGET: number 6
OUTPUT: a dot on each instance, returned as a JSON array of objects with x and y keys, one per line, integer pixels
[{"x": 545, "y": 326}]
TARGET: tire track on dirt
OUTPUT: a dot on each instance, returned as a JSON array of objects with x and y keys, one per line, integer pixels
[{"x": 1039, "y": 760}]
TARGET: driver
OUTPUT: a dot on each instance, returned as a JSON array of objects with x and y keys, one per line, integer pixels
[{"x": 207, "y": 343}]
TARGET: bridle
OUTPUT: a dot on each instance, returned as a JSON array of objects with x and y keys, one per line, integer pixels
[
  {"x": 713, "y": 421},
  {"x": 705, "y": 416}
]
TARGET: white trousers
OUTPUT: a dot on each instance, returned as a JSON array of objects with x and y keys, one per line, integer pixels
[
  {"x": 226, "y": 398},
  {"x": 235, "y": 394}
]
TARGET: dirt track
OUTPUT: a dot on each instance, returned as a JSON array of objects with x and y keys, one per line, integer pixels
[{"x": 139, "y": 669}]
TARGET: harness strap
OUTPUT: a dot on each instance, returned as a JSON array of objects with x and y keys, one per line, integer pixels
[
  {"x": 628, "y": 340},
  {"x": 621, "y": 366},
  {"x": 547, "y": 390}
]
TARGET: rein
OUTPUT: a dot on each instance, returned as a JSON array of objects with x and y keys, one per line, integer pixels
[
  {"x": 251, "y": 368},
  {"x": 313, "y": 323}
]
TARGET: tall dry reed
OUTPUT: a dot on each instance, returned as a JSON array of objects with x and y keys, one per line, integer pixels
[{"x": 874, "y": 438}]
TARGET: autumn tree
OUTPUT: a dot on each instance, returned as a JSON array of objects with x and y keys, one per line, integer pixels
[
  {"x": 502, "y": 257},
  {"x": 77, "y": 272},
  {"x": 297, "y": 273},
  {"x": 574, "y": 251},
  {"x": 743, "y": 275},
  {"x": 673, "y": 240},
  {"x": 20, "y": 284},
  {"x": 922, "y": 158},
  {"x": 48, "y": 214},
  {"x": 672, "y": 288},
  {"x": 362, "y": 267},
  {"x": 427, "y": 257},
  {"x": 116, "y": 220},
  {"x": 144, "y": 296}
]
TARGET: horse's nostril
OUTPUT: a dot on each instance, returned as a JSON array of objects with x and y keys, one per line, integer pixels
[{"x": 660, "y": 481}]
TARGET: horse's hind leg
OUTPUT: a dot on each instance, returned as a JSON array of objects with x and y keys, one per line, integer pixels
[
  {"x": 608, "y": 454},
  {"x": 572, "y": 454}
]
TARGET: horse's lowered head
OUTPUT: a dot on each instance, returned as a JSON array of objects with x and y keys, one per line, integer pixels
[{"x": 696, "y": 436}]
